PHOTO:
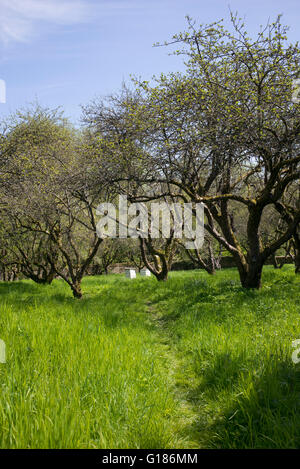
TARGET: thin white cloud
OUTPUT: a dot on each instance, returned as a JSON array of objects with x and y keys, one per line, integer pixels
[{"x": 21, "y": 19}]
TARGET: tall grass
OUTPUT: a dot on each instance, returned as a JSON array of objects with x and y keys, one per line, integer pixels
[
  {"x": 82, "y": 374},
  {"x": 238, "y": 344},
  {"x": 193, "y": 362}
]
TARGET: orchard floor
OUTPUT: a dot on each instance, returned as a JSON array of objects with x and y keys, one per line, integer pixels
[{"x": 194, "y": 362}]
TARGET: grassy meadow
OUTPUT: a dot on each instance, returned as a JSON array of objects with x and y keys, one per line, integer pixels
[{"x": 194, "y": 362}]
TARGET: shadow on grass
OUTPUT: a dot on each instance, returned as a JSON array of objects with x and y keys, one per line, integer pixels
[
  {"x": 263, "y": 412},
  {"x": 225, "y": 296},
  {"x": 18, "y": 288}
]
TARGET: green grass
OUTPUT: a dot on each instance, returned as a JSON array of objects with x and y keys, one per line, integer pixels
[{"x": 195, "y": 362}]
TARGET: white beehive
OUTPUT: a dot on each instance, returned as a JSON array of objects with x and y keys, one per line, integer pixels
[
  {"x": 130, "y": 273},
  {"x": 145, "y": 273}
]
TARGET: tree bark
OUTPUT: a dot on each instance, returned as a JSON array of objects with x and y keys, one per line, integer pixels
[
  {"x": 76, "y": 290},
  {"x": 252, "y": 279},
  {"x": 297, "y": 253}
]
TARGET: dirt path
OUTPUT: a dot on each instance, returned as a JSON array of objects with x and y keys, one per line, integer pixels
[{"x": 183, "y": 381}]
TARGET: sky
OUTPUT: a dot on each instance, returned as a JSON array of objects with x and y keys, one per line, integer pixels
[{"x": 69, "y": 52}]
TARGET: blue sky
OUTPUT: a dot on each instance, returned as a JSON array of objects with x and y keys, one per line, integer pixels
[{"x": 67, "y": 52}]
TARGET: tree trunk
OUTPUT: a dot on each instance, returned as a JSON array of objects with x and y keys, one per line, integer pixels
[
  {"x": 297, "y": 262},
  {"x": 250, "y": 270},
  {"x": 161, "y": 261},
  {"x": 252, "y": 279},
  {"x": 275, "y": 262},
  {"x": 162, "y": 275},
  {"x": 297, "y": 253},
  {"x": 76, "y": 290},
  {"x": 252, "y": 276},
  {"x": 50, "y": 277}
]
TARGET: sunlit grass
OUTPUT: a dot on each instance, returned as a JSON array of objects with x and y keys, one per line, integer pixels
[
  {"x": 193, "y": 362},
  {"x": 245, "y": 387},
  {"x": 84, "y": 373}
]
